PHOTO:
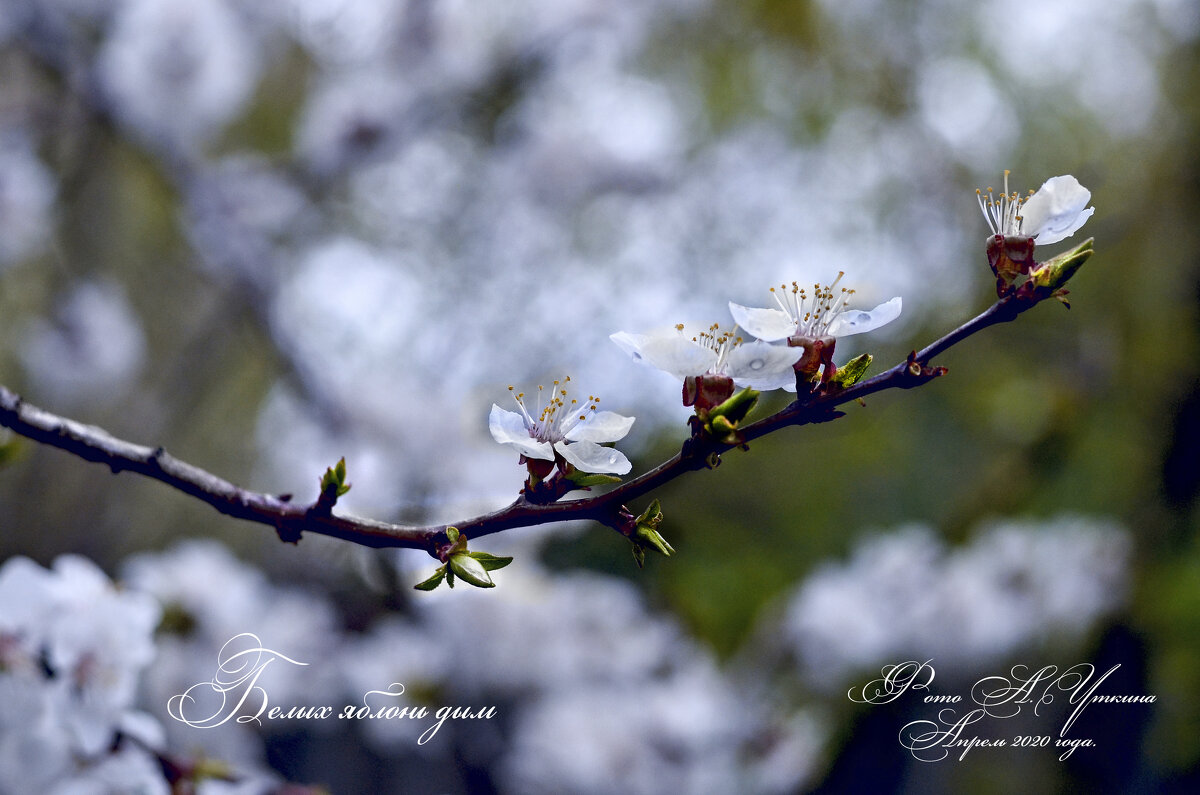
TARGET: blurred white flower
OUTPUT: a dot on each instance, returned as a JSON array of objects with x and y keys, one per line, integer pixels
[
  {"x": 27, "y": 198},
  {"x": 178, "y": 72},
  {"x": 758, "y": 365},
  {"x": 680, "y": 732},
  {"x": 240, "y": 213},
  {"x": 908, "y": 594},
  {"x": 572, "y": 430},
  {"x": 208, "y": 596},
  {"x": 823, "y": 314},
  {"x": 27, "y": 192},
  {"x": 1054, "y": 213},
  {"x": 75, "y": 647},
  {"x": 90, "y": 350}
]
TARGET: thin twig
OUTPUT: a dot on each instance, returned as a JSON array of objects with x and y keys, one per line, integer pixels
[{"x": 291, "y": 519}]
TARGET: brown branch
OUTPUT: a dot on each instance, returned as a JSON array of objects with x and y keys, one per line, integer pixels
[{"x": 290, "y": 520}]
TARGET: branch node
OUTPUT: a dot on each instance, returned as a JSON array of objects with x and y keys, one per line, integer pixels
[{"x": 288, "y": 532}]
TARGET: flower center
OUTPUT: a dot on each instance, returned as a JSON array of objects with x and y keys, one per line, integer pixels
[
  {"x": 1002, "y": 212},
  {"x": 718, "y": 341},
  {"x": 554, "y": 420},
  {"x": 813, "y": 315}
]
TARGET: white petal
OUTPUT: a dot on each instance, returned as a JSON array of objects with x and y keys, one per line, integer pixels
[
  {"x": 591, "y": 457},
  {"x": 508, "y": 427},
  {"x": 630, "y": 343},
  {"x": 1056, "y": 211},
  {"x": 667, "y": 350},
  {"x": 760, "y": 365},
  {"x": 601, "y": 426},
  {"x": 855, "y": 321},
  {"x": 766, "y": 324}
]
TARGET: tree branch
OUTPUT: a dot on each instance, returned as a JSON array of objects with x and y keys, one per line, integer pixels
[{"x": 290, "y": 520}]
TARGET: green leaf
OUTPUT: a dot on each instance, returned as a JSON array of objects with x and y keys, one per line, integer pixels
[
  {"x": 470, "y": 570},
  {"x": 432, "y": 582},
  {"x": 452, "y": 534},
  {"x": 650, "y": 538},
  {"x": 586, "y": 479},
  {"x": 652, "y": 516},
  {"x": 1054, "y": 272},
  {"x": 489, "y": 561},
  {"x": 735, "y": 409},
  {"x": 852, "y": 371},
  {"x": 334, "y": 479}
]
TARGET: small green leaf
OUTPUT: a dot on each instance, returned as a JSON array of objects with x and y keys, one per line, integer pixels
[
  {"x": 650, "y": 538},
  {"x": 489, "y": 561},
  {"x": 639, "y": 555},
  {"x": 432, "y": 582},
  {"x": 452, "y": 534},
  {"x": 721, "y": 426},
  {"x": 586, "y": 479},
  {"x": 470, "y": 570},
  {"x": 735, "y": 409},
  {"x": 1054, "y": 272},
  {"x": 652, "y": 516},
  {"x": 852, "y": 371},
  {"x": 334, "y": 479}
]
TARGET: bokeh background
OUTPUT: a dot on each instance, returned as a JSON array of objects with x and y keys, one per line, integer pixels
[{"x": 268, "y": 235}]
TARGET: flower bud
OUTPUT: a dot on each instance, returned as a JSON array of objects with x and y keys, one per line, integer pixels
[
  {"x": 1010, "y": 257},
  {"x": 707, "y": 390},
  {"x": 817, "y": 351},
  {"x": 1054, "y": 272}
]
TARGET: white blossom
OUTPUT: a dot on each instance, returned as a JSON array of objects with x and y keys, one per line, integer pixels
[
  {"x": 758, "y": 365},
  {"x": 564, "y": 427},
  {"x": 824, "y": 313},
  {"x": 1054, "y": 213}
]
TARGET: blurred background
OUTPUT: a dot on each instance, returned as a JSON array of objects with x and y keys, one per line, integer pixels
[{"x": 268, "y": 235}]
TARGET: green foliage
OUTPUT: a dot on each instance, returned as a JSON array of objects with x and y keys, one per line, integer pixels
[
  {"x": 852, "y": 371},
  {"x": 470, "y": 567},
  {"x": 334, "y": 480}
]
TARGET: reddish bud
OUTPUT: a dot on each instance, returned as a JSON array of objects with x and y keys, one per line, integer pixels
[
  {"x": 1010, "y": 257},
  {"x": 707, "y": 391}
]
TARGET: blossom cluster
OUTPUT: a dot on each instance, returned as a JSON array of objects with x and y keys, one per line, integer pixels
[
  {"x": 72, "y": 651},
  {"x": 713, "y": 362},
  {"x": 710, "y": 364}
]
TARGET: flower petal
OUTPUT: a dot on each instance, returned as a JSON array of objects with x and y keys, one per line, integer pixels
[
  {"x": 856, "y": 321},
  {"x": 591, "y": 457},
  {"x": 600, "y": 426},
  {"x": 761, "y": 365},
  {"x": 667, "y": 350},
  {"x": 766, "y": 324},
  {"x": 508, "y": 427},
  {"x": 1056, "y": 211}
]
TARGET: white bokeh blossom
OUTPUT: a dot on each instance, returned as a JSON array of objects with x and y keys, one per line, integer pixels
[
  {"x": 1015, "y": 584},
  {"x": 563, "y": 427},
  {"x": 72, "y": 650}
]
